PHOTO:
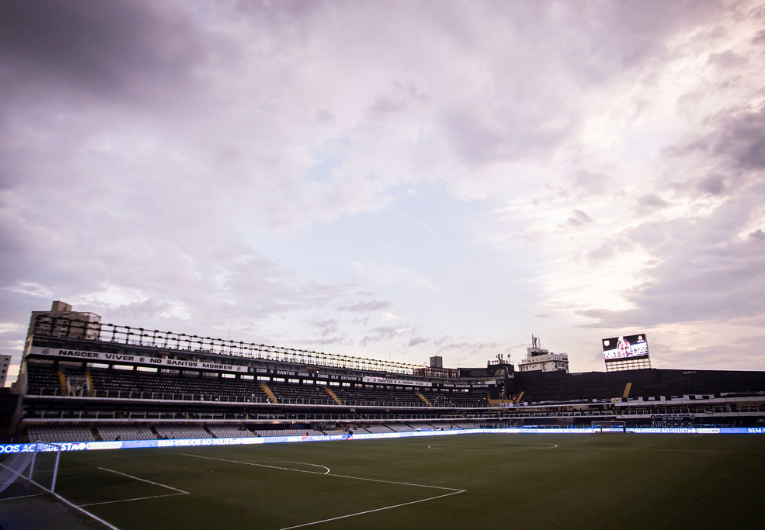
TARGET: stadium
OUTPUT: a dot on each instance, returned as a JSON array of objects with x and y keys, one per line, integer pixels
[{"x": 405, "y": 445}]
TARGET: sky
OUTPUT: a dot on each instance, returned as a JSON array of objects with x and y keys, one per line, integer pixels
[{"x": 391, "y": 179}]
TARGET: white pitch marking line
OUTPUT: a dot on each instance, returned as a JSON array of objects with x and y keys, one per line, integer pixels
[
  {"x": 68, "y": 503},
  {"x": 134, "y": 499},
  {"x": 552, "y": 446},
  {"x": 456, "y": 492},
  {"x": 452, "y": 491},
  {"x": 260, "y": 465},
  {"x": 326, "y": 474},
  {"x": 144, "y": 480},
  {"x": 309, "y": 464},
  {"x": 178, "y": 491},
  {"x": 21, "y": 497},
  {"x": 682, "y": 450}
]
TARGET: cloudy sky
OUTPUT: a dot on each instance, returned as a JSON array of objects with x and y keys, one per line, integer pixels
[{"x": 391, "y": 179}]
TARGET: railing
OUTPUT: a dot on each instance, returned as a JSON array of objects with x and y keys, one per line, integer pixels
[
  {"x": 65, "y": 327},
  {"x": 127, "y": 417},
  {"x": 167, "y": 396},
  {"x": 185, "y": 396}
]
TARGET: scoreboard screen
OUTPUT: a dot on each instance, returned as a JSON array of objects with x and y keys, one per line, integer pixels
[{"x": 626, "y": 347}]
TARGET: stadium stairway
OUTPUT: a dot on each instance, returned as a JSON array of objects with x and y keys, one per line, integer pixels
[
  {"x": 333, "y": 395},
  {"x": 95, "y": 433},
  {"x": 269, "y": 392},
  {"x": 62, "y": 381},
  {"x": 91, "y": 388},
  {"x": 428, "y": 403}
]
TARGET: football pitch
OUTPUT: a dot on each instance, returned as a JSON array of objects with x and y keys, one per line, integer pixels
[{"x": 469, "y": 481}]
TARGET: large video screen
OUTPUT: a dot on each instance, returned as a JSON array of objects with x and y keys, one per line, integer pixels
[{"x": 627, "y": 347}]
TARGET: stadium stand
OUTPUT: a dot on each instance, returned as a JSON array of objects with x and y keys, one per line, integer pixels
[
  {"x": 287, "y": 393},
  {"x": 113, "y": 382},
  {"x": 378, "y": 397},
  {"x": 230, "y": 431},
  {"x": 55, "y": 434},
  {"x": 182, "y": 431},
  {"x": 126, "y": 432}
]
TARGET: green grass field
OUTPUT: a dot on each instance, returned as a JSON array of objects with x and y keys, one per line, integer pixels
[{"x": 471, "y": 481}]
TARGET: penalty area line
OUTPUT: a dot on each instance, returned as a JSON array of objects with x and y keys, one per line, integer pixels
[
  {"x": 375, "y": 510},
  {"x": 176, "y": 490},
  {"x": 68, "y": 503},
  {"x": 452, "y": 491},
  {"x": 269, "y": 466},
  {"x": 21, "y": 497},
  {"x": 134, "y": 499}
]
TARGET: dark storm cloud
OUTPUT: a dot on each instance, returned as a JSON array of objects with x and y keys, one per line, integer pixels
[
  {"x": 741, "y": 139},
  {"x": 737, "y": 140},
  {"x": 714, "y": 353},
  {"x": 712, "y": 184},
  {"x": 706, "y": 271},
  {"x": 511, "y": 120},
  {"x": 112, "y": 50}
]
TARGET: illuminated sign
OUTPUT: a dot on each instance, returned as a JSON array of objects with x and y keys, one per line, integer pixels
[
  {"x": 392, "y": 381},
  {"x": 626, "y": 347},
  {"x": 203, "y": 442}
]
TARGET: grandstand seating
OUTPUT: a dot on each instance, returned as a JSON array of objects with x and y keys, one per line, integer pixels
[
  {"x": 400, "y": 427},
  {"x": 457, "y": 399},
  {"x": 43, "y": 380},
  {"x": 182, "y": 431},
  {"x": 290, "y": 432},
  {"x": 126, "y": 384},
  {"x": 559, "y": 386},
  {"x": 378, "y": 429},
  {"x": 379, "y": 397},
  {"x": 56, "y": 433},
  {"x": 230, "y": 431},
  {"x": 301, "y": 394},
  {"x": 125, "y": 432}
]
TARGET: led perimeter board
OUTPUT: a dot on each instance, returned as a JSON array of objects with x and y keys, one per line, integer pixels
[{"x": 626, "y": 347}]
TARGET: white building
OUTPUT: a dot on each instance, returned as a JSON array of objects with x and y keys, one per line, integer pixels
[
  {"x": 46, "y": 322},
  {"x": 5, "y": 363},
  {"x": 539, "y": 359}
]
